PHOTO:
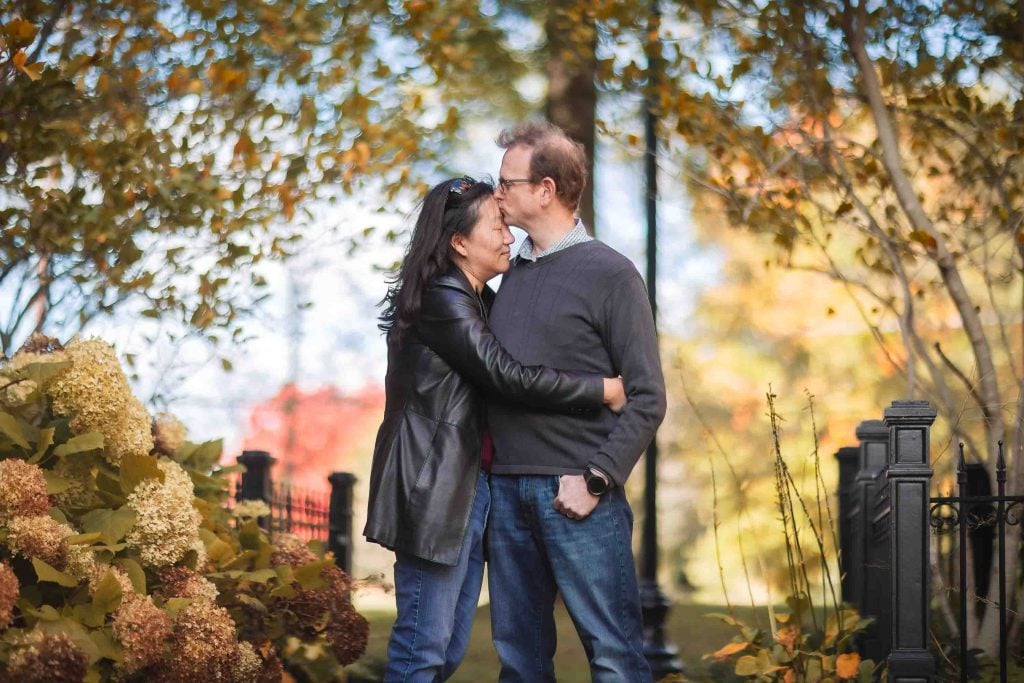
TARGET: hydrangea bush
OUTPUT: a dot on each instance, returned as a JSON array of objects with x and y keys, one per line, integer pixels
[{"x": 118, "y": 558}]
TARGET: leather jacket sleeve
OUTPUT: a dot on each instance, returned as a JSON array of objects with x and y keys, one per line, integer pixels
[{"x": 451, "y": 325}]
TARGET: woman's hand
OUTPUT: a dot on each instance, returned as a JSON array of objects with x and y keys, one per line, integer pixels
[{"x": 614, "y": 393}]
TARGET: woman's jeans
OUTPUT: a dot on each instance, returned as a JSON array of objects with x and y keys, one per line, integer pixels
[{"x": 436, "y": 604}]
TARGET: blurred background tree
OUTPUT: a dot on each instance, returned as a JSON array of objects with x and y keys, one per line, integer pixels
[{"x": 880, "y": 147}]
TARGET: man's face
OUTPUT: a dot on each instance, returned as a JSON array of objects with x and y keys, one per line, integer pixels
[{"x": 517, "y": 200}]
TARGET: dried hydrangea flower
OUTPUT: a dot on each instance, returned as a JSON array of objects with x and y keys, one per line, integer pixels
[
  {"x": 95, "y": 393},
  {"x": 202, "y": 560},
  {"x": 273, "y": 669},
  {"x": 22, "y": 490},
  {"x": 168, "y": 434},
  {"x": 346, "y": 630},
  {"x": 47, "y": 658},
  {"x": 40, "y": 344},
  {"x": 166, "y": 524},
  {"x": 43, "y": 537},
  {"x": 39, "y": 536},
  {"x": 9, "y": 589},
  {"x": 182, "y": 582},
  {"x": 248, "y": 664},
  {"x": 250, "y": 508},
  {"x": 17, "y": 393},
  {"x": 291, "y": 550},
  {"x": 203, "y": 645},
  {"x": 142, "y": 628},
  {"x": 80, "y": 561},
  {"x": 80, "y": 473}
]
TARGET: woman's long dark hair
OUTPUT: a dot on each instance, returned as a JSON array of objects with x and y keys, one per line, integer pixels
[{"x": 450, "y": 208}]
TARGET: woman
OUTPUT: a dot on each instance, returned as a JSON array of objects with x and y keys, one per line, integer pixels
[{"x": 428, "y": 493}]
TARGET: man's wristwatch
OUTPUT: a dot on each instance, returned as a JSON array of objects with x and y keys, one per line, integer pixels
[{"x": 597, "y": 482}]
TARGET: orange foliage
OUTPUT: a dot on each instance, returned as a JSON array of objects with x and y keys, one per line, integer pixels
[{"x": 313, "y": 433}]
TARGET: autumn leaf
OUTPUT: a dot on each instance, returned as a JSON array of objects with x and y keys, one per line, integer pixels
[
  {"x": 20, "y": 33},
  {"x": 31, "y": 70},
  {"x": 924, "y": 238},
  {"x": 729, "y": 650},
  {"x": 847, "y": 665}
]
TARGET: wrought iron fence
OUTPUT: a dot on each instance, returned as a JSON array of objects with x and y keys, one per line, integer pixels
[
  {"x": 979, "y": 520},
  {"x": 325, "y": 516},
  {"x": 897, "y": 541}
]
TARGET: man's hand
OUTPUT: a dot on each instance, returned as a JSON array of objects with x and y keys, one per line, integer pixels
[{"x": 573, "y": 499}]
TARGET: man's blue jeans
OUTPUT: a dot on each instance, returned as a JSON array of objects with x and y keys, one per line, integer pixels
[
  {"x": 535, "y": 551},
  {"x": 436, "y": 604}
]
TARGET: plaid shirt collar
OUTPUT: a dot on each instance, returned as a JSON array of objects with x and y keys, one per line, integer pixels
[{"x": 577, "y": 235}]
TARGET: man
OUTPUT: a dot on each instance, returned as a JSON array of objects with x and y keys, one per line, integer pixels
[{"x": 559, "y": 520}]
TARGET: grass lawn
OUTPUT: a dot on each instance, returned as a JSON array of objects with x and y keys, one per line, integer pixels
[{"x": 687, "y": 627}]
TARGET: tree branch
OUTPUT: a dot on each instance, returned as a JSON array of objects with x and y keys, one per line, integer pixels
[
  {"x": 854, "y": 31},
  {"x": 48, "y": 26},
  {"x": 958, "y": 372}
]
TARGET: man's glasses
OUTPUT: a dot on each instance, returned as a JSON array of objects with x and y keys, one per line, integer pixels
[{"x": 506, "y": 183}]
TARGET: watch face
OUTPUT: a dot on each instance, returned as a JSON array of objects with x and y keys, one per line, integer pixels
[{"x": 596, "y": 485}]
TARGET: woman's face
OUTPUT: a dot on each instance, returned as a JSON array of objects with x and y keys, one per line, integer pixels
[{"x": 485, "y": 252}]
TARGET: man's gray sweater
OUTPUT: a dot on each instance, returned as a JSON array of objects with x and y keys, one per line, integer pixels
[{"x": 585, "y": 309}]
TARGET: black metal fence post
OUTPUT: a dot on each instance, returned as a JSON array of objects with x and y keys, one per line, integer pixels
[
  {"x": 339, "y": 540},
  {"x": 256, "y": 481},
  {"x": 848, "y": 465},
  {"x": 909, "y": 476},
  {"x": 871, "y": 545}
]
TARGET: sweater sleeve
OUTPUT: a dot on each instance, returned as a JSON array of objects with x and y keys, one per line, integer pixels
[
  {"x": 451, "y": 325},
  {"x": 632, "y": 343}
]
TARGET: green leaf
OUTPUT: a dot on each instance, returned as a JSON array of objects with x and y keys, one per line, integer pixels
[
  {"x": 746, "y": 666},
  {"x": 54, "y": 483},
  {"x": 14, "y": 429},
  {"x": 107, "y": 647},
  {"x": 250, "y": 535},
  {"x": 43, "y": 372},
  {"x": 175, "y": 605},
  {"x": 47, "y": 573},
  {"x": 205, "y": 455},
  {"x": 112, "y": 524},
  {"x": 138, "y": 468},
  {"x": 44, "y": 443},
  {"x": 135, "y": 572},
  {"x": 309, "y": 574},
  {"x": 107, "y": 595},
  {"x": 260, "y": 575},
  {"x": 83, "y": 539},
  {"x": 254, "y": 603},
  {"x": 90, "y": 441},
  {"x": 813, "y": 672},
  {"x": 44, "y": 612},
  {"x": 109, "y": 489}
]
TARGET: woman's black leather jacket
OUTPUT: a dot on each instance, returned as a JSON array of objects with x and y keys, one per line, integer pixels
[{"x": 427, "y": 455}]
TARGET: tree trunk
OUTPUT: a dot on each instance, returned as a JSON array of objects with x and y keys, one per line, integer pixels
[{"x": 572, "y": 88}]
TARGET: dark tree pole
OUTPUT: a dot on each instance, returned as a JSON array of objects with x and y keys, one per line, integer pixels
[{"x": 660, "y": 653}]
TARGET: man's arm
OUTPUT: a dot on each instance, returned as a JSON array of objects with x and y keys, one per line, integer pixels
[{"x": 632, "y": 344}]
